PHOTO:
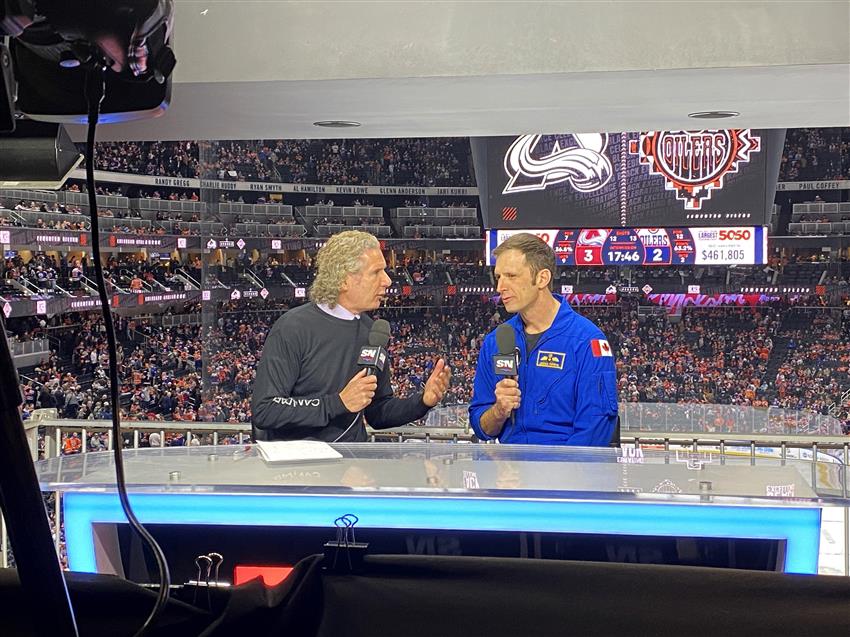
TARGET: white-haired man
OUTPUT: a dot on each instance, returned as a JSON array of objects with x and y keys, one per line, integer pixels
[{"x": 308, "y": 385}]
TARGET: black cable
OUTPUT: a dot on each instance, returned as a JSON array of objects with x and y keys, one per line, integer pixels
[{"x": 95, "y": 90}]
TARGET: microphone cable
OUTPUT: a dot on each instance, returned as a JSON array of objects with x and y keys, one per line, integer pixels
[{"x": 95, "y": 91}]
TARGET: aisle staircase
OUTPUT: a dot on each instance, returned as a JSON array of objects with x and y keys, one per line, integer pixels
[{"x": 777, "y": 356}]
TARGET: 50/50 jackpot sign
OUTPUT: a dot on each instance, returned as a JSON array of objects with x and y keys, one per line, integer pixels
[{"x": 647, "y": 246}]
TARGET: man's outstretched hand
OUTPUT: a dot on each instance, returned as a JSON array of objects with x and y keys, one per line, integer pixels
[{"x": 437, "y": 384}]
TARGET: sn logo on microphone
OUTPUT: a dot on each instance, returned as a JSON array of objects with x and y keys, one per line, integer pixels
[
  {"x": 371, "y": 357},
  {"x": 504, "y": 365}
]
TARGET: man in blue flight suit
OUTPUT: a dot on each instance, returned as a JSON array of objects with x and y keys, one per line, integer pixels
[{"x": 566, "y": 389}]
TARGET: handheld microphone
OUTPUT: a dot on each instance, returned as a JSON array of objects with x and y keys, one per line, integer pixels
[
  {"x": 506, "y": 362},
  {"x": 374, "y": 355}
]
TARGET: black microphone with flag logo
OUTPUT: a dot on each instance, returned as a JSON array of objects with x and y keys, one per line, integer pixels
[{"x": 374, "y": 355}]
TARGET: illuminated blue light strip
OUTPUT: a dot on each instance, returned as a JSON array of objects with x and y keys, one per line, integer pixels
[{"x": 800, "y": 527}]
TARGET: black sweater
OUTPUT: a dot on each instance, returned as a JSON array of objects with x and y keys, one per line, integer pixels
[{"x": 308, "y": 358}]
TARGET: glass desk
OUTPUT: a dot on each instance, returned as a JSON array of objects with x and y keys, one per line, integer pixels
[{"x": 535, "y": 501}]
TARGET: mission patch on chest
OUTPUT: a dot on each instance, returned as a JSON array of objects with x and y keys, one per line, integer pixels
[{"x": 551, "y": 360}]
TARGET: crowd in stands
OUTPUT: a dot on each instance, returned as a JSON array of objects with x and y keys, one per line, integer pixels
[
  {"x": 174, "y": 195},
  {"x": 105, "y": 189},
  {"x": 134, "y": 273},
  {"x": 45, "y": 272},
  {"x": 813, "y": 372},
  {"x": 379, "y": 162},
  {"x": 709, "y": 357},
  {"x": 160, "y": 370},
  {"x": 394, "y": 162},
  {"x": 768, "y": 356},
  {"x": 821, "y": 154},
  {"x": 174, "y": 159}
]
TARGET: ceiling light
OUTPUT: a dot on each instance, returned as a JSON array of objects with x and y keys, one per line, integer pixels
[
  {"x": 713, "y": 114},
  {"x": 336, "y": 123}
]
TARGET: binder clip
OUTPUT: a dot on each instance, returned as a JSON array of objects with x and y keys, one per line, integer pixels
[
  {"x": 206, "y": 564},
  {"x": 345, "y": 554}
]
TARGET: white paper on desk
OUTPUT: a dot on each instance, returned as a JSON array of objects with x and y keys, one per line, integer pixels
[{"x": 296, "y": 450}]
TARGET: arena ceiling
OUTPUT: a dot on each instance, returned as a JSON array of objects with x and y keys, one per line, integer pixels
[{"x": 265, "y": 69}]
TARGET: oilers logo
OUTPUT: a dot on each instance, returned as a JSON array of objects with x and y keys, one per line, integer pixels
[
  {"x": 584, "y": 165},
  {"x": 656, "y": 244},
  {"x": 653, "y": 237},
  {"x": 694, "y": 163}
]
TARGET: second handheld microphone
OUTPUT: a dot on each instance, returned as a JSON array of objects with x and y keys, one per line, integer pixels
[{"x": 374, "y": 355}]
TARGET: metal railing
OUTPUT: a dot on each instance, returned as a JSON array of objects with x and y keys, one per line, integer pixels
[{"x": 37, "y": 346}]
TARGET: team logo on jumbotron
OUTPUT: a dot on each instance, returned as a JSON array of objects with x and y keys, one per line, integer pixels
[
  {"x": 532, "y": 164},
  {"x": 592, "y": 237},
  {"x": 694, "y": 163}
]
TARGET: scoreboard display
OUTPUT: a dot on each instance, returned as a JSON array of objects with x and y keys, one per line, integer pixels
[
  {"x": 733, "y": 245},
  {"x": 649, "y": 179}
]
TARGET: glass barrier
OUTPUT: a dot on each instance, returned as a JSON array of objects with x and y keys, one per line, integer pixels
[
  {"x": 690, "y": 418},
  {"x": 489, "y": 470}
]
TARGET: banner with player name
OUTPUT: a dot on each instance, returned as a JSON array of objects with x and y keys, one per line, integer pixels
[
  {"x": 649, "y": 179},
  {"x": 790, "y": 186},
  {"x": 647, "y": 246},
  {"x": 262, "y": 186}
]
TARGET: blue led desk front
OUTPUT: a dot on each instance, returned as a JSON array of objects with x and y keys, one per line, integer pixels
[{"x": 444, "y": 487}]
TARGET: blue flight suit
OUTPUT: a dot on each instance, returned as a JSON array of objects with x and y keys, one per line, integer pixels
[{"x": 568, "y": 384}]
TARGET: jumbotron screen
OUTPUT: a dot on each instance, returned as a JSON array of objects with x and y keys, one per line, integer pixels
[
  {"x": 647, "y": 246},
  {"x": 659, "y": 179}
]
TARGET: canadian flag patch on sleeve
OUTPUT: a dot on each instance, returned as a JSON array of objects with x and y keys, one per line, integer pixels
[{"x": 600, "y": 347}]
